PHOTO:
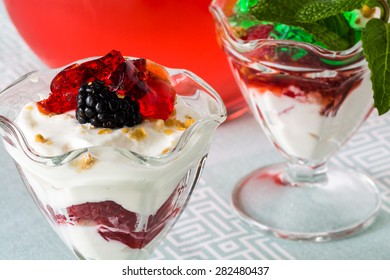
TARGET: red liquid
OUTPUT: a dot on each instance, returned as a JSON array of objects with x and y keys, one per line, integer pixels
[{"x": 179, "y": 34}]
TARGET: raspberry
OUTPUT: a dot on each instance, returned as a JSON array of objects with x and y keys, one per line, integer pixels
[{"x": 97, "y": 105}]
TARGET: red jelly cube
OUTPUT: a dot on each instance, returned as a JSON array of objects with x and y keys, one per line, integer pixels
[
  {"x": 140, "y": 79},
  {"x": 65, "y": 85},
  {"x": 158, "y": 103},
  {"x": 150, "y": 85}
]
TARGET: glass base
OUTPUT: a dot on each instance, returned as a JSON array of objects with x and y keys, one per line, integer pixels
[{"x": 346, "y": 203}]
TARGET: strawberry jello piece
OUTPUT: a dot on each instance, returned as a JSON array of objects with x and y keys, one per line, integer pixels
[
  {"x": 158, "y": 101},
  {"x": 140, "y": 79},
  {"x": 65, "y": 85},
  {"x": 149, "y": 84}
]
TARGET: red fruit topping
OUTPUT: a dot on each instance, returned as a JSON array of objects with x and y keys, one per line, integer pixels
[
  {"x": 149, "y": 83},
  {"x": 57, "y": 103},
  {"x": 65, "y": 85},
  {"x": 159, "y": 101},
  {"x": 117, "y": 223},
  {"x": 140, "y": 79}
]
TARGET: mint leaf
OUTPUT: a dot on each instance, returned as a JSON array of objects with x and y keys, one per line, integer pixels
[
  {"x": 304, "y": 11},
  {"x": 333, "y": 31},
  {"x": 317, "y": 10},
  {"x": 322, "y": 18},
  {"x": 277, "y": 10},
  {"x": 376, "y": 48},
  {"x": 376, "y": 3},
  {"x": 322, "y": 34}
]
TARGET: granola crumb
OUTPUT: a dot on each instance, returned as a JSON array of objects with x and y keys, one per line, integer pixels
[
  {"x": 189, "y": 121},
  {"x": 184, "y": 125},
  {"x": 105, "y": 131},
  {"x": 170, "y": 122},
  {"x": 40, "y": 139},
  {"x": 166, "y": 150},
  {"x": 138, "y": 134},
  {"x": 180, "y": 125},
  {"x": 168, "y": 131},
  {"x": 159, "y": 123},
  {"x": 125, "y": 130},
  {"x": 86, "y": 162},
  {"x": 29, "y": 107}
]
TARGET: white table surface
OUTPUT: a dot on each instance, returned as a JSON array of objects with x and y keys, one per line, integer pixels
[{"x": 207, "y": 229}]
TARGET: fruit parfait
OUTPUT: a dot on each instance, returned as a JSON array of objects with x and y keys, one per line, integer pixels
[
  {"x": 308, "y": 84},
  {"x": 110, "y": 149},
  {"x": 308, "y": 69}
]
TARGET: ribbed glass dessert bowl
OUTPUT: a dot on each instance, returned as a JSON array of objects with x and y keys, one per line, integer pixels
[
  {"x": 107, "y": 200},
  {"x": 309, "y": 102}
]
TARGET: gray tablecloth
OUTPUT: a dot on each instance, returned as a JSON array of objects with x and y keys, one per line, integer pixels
[{"x": 207, "y": 229}]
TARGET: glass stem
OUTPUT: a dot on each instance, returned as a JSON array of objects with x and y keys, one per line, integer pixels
[{"x": 298, "y": 173}]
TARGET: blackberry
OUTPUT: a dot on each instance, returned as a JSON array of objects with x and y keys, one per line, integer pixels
[{"x": 99, "y": 106}]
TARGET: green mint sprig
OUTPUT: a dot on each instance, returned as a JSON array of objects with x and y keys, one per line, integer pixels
[
  {"x": 325, "y": 21},
  {"x": 317, "y": 10},
  {"x": 376, "y": 48}
]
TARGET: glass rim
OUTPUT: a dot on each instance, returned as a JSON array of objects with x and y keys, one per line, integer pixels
[{"x": 221, "y": 19}]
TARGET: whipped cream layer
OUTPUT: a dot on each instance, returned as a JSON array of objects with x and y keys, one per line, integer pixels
[
  {"x": 57, "y": 134},
  {"x": 92, "y": 246},
  {"x": 300, "y": 130},
  {"x": 102, "y": 173}
]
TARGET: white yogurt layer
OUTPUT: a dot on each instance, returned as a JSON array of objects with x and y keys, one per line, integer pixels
[
  {"x": 299, "y": 129},
  {"x": 88, "y": 242},
  {"x": 58, "y": 134},
  {"x": 104, "y": 174}
]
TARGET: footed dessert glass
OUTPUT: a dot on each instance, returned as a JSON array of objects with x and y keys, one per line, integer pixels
[
  {"x": 124, "y": 205},
  {"x": 309, "y": 101}
]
